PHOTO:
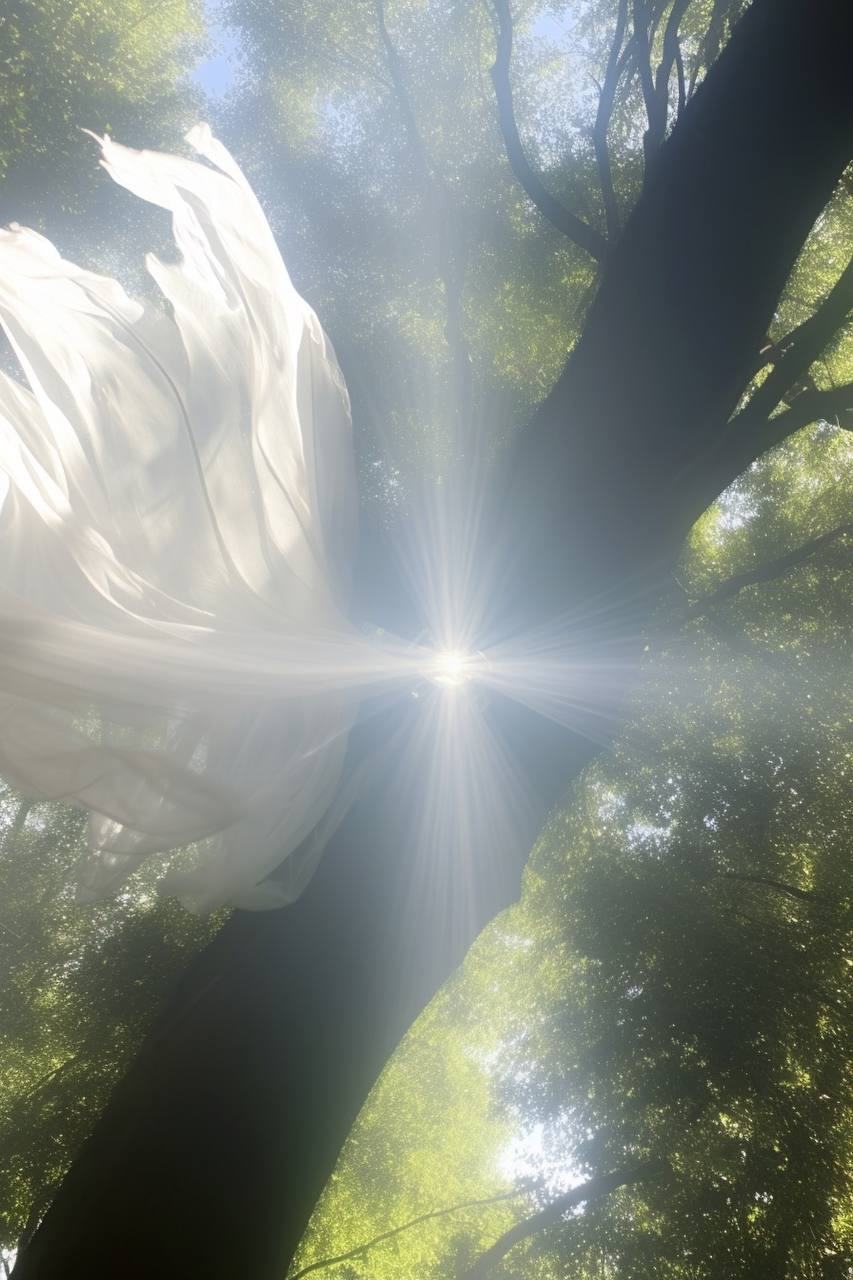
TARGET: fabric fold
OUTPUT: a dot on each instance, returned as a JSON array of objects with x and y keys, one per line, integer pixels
[{"x": 177, "y": 533}]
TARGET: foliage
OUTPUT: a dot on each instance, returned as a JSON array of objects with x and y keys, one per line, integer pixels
[
  {"x": 116, "y": 65},
  {"x": 674, "y": 984},
  {"x": 79, "y": 985}
]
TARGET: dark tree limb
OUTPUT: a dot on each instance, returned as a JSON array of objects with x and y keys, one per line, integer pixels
[
  {"x": 743, "y": 440},
  {"x": 669, "y": 58},
  {"x": 779, "y": 886},
  {"x": 710, "y": 45},
  {"x": 770, "y": 570},
  {"x": 641, "y": 43},
  {"x": 557, "y": 1209},
  {"x": 794, "y": 354},
  {"x": 606, "y": 100},
  {"x": 361, "y": 1249},
  {"x": 583, "y": 235},
  {"x": 679, "y": 71},
  {"x": 686, "y": 364},
  {"x": 834, "y": 405}
]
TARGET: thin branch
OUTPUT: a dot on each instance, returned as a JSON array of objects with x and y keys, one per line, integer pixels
[
  {"x": 583, "y": 235},
  {"x": 770, "y": 570},
  {"x": 793, "y": 356},
  {"x": 669, "y": 57},
  {"x": 553, "y": 1213},
  {"x": 606, "y": 99},
  {"x": 780, "y": 886},
  {"x": 679, "y": 72},
  {"x": 17, "y": 825},
  {"x": 395, "y": 69},
  {"x": 406, "y": 1226},
  {"x": 710, "y": 46},
  {"x": 437, "y": 199},
  {"x": 643, "y": 62},
  {"x": 770, "y": 663},
  {"x": 148, "y": 12}
]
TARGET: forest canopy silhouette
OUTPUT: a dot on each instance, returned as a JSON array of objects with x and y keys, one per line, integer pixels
[{"x": 561, "y": 986}]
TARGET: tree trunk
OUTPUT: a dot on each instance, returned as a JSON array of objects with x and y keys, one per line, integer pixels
[{"x": 218, "y": 1142}]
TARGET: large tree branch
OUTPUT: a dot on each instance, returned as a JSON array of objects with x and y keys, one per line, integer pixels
[
  {"x": 398, "y": 79},
  {"x": 793, "y": 355},
  {"x": 556, "y": 1210},
  {"x": 583, "y": 235},
  {"x": 743, "y": 440},
  {"x": 709, "y": 47},
  {"x": 653, "y": 427},
  {"x": 669, "y": 58},
  {"x": 679, "y": 71},
  {"x": 770, "y": 570}
]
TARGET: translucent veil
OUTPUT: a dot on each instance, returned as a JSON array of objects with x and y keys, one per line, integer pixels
[{"x": 176, "y": 534}]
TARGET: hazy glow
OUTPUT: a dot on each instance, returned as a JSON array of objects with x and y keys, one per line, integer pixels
[
  {"x": 227, "y": 696},
  {"x": 451, "y": 668}
]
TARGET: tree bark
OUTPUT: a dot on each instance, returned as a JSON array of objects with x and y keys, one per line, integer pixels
[{"x": 220, "y": 1139}]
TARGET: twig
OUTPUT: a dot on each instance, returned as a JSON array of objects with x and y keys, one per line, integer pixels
[
  {"x": 583, "y": 235},
  {"x": 406, "y": 1226},
  {"x": 781, "y": 886}
]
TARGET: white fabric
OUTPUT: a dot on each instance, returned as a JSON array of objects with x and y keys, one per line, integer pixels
[{"x": 175, "y": 548}]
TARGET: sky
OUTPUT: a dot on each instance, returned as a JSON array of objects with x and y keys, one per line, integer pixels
[{"x": 216, "y": 74}]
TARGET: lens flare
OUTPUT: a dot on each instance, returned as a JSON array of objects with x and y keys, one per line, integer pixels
[{"x": 451, "y": 668}]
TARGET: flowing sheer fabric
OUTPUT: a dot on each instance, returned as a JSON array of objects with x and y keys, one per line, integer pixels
[{"x": 176, "y": 534}]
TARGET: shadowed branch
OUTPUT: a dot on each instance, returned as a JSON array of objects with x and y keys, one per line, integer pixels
[
  {"x": 770, "y": 570},
  {"x": 583, "y": 235},
  {"x": 361, "y": 1249},
  {"x": 606, "y": 99},
  {"x": 670, "y": 57},
  {"x": 554, "y": 1212},
  {"x": 709, "y": 47},
  {"x": 793, "y": 355}
]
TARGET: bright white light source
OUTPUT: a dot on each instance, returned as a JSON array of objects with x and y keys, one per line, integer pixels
[{"x": 450, "y": 668}]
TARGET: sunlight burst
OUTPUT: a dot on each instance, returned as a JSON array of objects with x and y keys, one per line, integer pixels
[{"x": 451, "y": 668}]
